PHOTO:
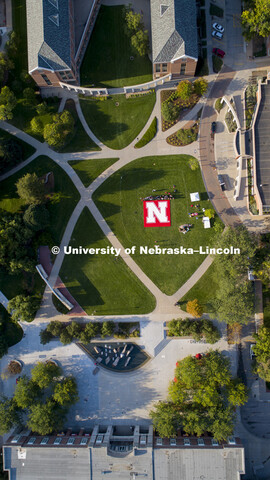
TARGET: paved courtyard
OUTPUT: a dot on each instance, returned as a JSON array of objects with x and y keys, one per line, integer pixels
[{"x": 107, "y": 396}]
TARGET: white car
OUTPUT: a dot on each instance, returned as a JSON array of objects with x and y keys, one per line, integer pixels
[
  {"x": 218, "y": 27},
  {"x": 217, "y": 35}
]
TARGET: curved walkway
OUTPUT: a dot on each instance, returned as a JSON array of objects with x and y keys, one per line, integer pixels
[{"x": 165, "y": 305}]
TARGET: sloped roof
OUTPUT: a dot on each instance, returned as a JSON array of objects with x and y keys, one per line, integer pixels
[
  {"x": 174, "y": 30},
  {"x": 48, "y": 34}
]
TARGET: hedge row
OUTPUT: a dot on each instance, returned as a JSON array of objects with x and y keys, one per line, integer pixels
[
  {"x": 149, "y": 134},
  {"x": 197, "y": 329}
]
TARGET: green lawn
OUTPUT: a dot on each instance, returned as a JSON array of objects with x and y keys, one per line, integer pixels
[
  {"x": 88, "y": 170},
  {"x": 79, "y": 141},
  {"x": 118, "y": 120},
  {"x": 119, "y": 200},
  {"x": 12, "y": 330},
  {"x": 27, "y": 149},
  {"x": 102, "y": 283},
  {"x": 204, "y": 290},
  {"x": 107, "y": 60},
  {"x": 63, "y": 200}
]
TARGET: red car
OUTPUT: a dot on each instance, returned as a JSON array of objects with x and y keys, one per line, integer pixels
[{"x": 218, "y": 52}]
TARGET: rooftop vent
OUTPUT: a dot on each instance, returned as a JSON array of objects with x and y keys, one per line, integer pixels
[
  {"x": 55, "y": 19},
  {"x": 163, "y": 9}
]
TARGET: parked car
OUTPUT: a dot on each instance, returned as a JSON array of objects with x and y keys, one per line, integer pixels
[
  {"x": 217, "y": 35},
  {"x": 213, "y": 127},
  {"x": 252, "y": 354},
  {"x": 218, "y": 52},
  {"x": 221, "y": 182},
  {"x": 218, "y": 27}
]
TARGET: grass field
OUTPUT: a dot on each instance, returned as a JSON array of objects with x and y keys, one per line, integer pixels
[
  {"x": 63, "y": 200},
  {"x": 118, "y": 120},
  {"x": 88, "y": 170},
  {"x": 102, "y": 284},
  {"x": 27, "y": 149},
  {"x": 204, "y": 290},
  {"x": 79, "y": 141},
  {"x": 107, "y": 61},
  {"x": 119, "y": 200}
]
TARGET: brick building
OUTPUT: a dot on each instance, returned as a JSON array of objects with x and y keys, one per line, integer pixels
[{"x": 174, "y": 37}]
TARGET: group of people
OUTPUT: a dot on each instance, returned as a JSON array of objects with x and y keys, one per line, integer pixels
[
  {"x": 185, "y": 227},
  {"x": 196, "y": 214},
  {"x": 166, "y": 196}
]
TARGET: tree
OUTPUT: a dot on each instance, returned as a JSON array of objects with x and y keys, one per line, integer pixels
[
  {"x": 74, "y": 329},
  {"x": 31, "y": 189},
  {"x": 43, "y": 374},
  {"x": 108, "y": 328},
  {"x": 263, "y": 271},
  {"x": 24, "y": 308},
  {"x": 3, "y": 347},
  {"x": 14, "y": 237},
  {"x": 256, "y": 19},
  {"x": 9, "y": 415},
  {"x": 46, "y": 418},
  {"x": 7, "y": 103},
  {"x": 5, "y": 65},
  {"x": 55, "y": 328},
  {"x": 45, "y": 336},
  {"x": 89, "y": 332},
  {"x": 262, "y": 352},
  {"x": 200, "y": 86},
  {"x": 187, "y": 135},
  {"x": 26, "y": 392},
  {"x": 66, "y": 392},
  {"x": 209, "y": 331},
  {"x": 194, "y": 164},
  {"x": 140, "y": 42},
  {"x": 37, "y": 126},
  {"x": 56, "y": 132},
  {"x": 170, "y": 111},
  {"x": 36, "y": 217},
  {"x": 194, "y": 308},
  {"x": 65, "y": 337},
  {"x": 209, "y": 212},
  {"x": 234, "y": 301},
  {"x": 42, "y": 108},
  {"x": 12, "y": 44},
  {"x": 201, "y": 398},
  {"x": 30, "y": 98},
  {"x": 185, "y": 89},
  {"x": 133, "y": 20},
  {"x": 165, "y": 419},
  {"x": 26, "y": 264}
]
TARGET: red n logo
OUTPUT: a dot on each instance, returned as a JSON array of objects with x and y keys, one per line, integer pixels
[{"x": 157, "y": 213}]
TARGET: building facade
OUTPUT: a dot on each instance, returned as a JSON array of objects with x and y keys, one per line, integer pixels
[{"x": 123, "y": 452}]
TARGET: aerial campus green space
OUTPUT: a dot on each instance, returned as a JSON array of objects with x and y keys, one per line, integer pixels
[
  {"x": 90, "y": 169},
  {"x": 119, "y": 199},
  {"x": 102, "y": 284}
]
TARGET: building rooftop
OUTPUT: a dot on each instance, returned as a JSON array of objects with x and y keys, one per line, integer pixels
[
  {"x": 262, "y": 145},
  {"x": 48, "y": 34},
  {"x": 174, "y": 30}
]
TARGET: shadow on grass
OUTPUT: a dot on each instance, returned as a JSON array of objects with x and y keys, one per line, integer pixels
[
  {"x": 102, "y": 126},
  {"x": 131, "y": 180}
]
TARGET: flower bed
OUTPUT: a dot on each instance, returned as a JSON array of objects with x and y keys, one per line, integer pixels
[
  {"x": 180, "y": 141},
  {"x": 184, "y": 105}
]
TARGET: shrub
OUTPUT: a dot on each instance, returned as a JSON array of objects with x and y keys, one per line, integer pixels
[
  {"x": 217, "y": 63},
  {"x": 231, "y": 124},
  {"x": 187, "y": 135},
  {"x": 36, "y": 217},
  {"x": 194, "y": 164},
  {"x": 200, "y": 86},
  {"x": 219, "y": 105},
  {"x": 65, "y": 337},
  {"x": 170, "y": 112},
  {"x": 185, "y": 89},
  {"x": 45, "y": 336},
  {"x": 210, "y": 213},
  {"x": 149, "y": 134},
  {"x": 195, "y": 328},
  {"x": 14, "y": 367},
  {"x": 194, "y": 308},
  {"x": 55, "y": 328}
]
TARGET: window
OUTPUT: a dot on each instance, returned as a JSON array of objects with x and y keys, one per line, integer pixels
[
  {"x": 201, "y": 442},
  {"x": 57, "y": 441},
  {"x": 164, "y": 67},
  {"x": 44, "y": 441},
  {"x": 163, "y": 9},
  {"x": 173, "y": 442},
  {"x": 66, "y": 76},
  {"x": 31, "y": 441},
  {"x": 183, "y": 68},
  {"x": 143, "y": 440},
  {"x": 159, "y": 442},
  {"x": 84, "y": 441},
  {"x": 16, "y": 439},
  {"x": 186, "y": 442},
  {"x": 231, "y": 441},
  {"x": 99, "y": 439},
  {"x": 157, "y": 67},
  {"x": 70, "y": 441},
  {"x": 215, "y": 442},
  {"x": 45, "y": 78}
]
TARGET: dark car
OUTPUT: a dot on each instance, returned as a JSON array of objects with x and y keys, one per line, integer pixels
[
  {"x": 218, "y": 52},
  {"x": 221, "y": 182},
  {"x": 213, "y": 127}
]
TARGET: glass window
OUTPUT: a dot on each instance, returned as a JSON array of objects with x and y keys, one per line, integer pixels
[
  {"x": 183, "y": 68},
  {"x": 164, "y": 67},
  {"x": 157, "y": 67},
  {"x": 45, "y": 78}
]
